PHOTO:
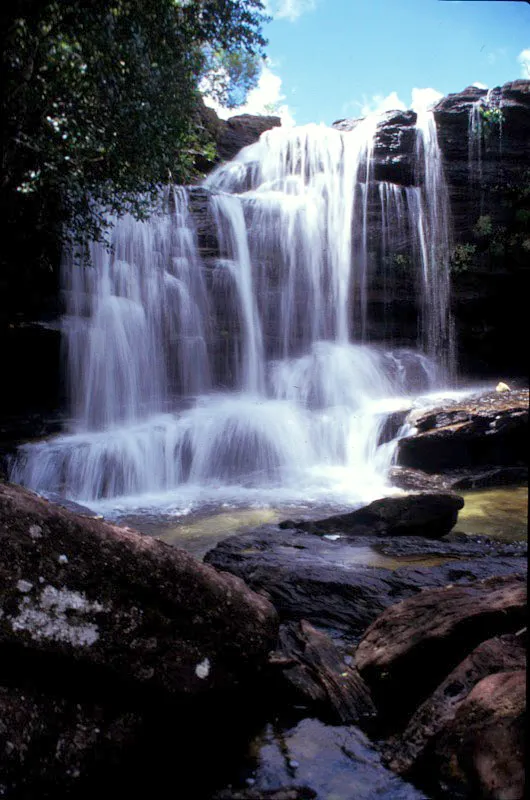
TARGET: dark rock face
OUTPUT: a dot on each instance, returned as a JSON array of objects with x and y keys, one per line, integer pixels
[
  {"x": 35, "y": 391},
  {"x": 500, "y": 654},
  {"x": 483, "y": 747},
  {"x": 409, "y": 648},
  {"x": 424, "y": 514},
  {"x": 489, "y": 294},
  {"x": 485, "y": 432}
]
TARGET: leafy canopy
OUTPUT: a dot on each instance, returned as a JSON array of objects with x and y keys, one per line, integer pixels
[{"x": 99, "y": 98}]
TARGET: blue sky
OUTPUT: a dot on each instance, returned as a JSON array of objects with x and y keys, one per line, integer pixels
[{"x": 334, "y": 58}]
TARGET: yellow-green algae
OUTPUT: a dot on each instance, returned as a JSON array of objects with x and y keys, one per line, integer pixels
[
  {"x": 498, "y": 513},
  {"x": 202, "y": 534}
]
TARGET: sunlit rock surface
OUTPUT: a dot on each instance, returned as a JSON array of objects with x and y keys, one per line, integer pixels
[
  {"x": 480, "y": 433},
  {"x": 483, "y": 748},
  {"x": 409, "y": 648},
  {"x": 499, "y": 654}
]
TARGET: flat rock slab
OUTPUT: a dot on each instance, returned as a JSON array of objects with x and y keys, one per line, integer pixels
[
  {"x": 328, "y": 582},
  {"x": 134, "y": 611},
  {"x": 458, "y": 480},
  {"x": 430, "y": 514},
  {"x": 486, "y": 431},
  {"x": 336, "y": 762},
  {"x": 414, "y": 644},
  {"x": 499, "y": 654},
  {"x": 482, "y": 749}
]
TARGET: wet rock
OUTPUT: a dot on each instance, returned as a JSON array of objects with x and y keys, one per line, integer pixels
[
  {"x": 314, "y": 671},
  {"x": 391, "y": 425},
  {"x": 129, "y": 609},
  {"x": 332, "y": 584},
  {"x": 486, "y": 431},
  {"x": 457, "y": 480},
  {"x": 409, "y": 649},
  {"x": 70, "y": 505},
  {"x": 333, "y": 762},
  {"x": 48, "y": 742},
  {"x": 395, "y": 139},
  {"x": 424, "y": 513},
  {"x": 490, "y": 478},
  {"x": 416, "y": 480},
  {"x": 500, "y": 654},
  {"x": 483, "y": 748}
]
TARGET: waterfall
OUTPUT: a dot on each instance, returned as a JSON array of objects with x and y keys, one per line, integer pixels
[{"x": 248, "y": 376}]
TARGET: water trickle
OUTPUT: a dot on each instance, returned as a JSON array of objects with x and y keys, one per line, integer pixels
[
  {"x": 475, "y": 141},
  {"x": 247, "y": 377},
  {"x": 431, "y": 211}
]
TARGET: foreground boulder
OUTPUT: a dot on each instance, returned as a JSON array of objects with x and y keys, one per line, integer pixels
[
  {"x": 487, "y": 431},
  {"x": 428, "y": 514},
  {"x": 114, "y": 646},
  {"x": 483, "y": 747},
  {"x": 46, "y": 740},
  {"x": 414, "y": 644},
  {"x": 96, "y": 596}
]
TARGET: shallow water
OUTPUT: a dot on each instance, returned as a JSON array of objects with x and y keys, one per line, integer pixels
[
  {"x": 498, "y": 513},
  {"x": 202, "y": 533},
  {"x": 337, "y": 763},
  {"x": 199, "y": 533}
]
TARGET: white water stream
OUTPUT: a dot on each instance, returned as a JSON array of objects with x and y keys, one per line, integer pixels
[{"x": 250, "y": 379}]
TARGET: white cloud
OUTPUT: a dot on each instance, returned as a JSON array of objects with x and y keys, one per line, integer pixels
[
  {"x": 524, "y": 60},
  {"x": 289, "y": 9},
  {"x": 423, "y": 99},
  {"x": 265, "y": 98},
  {"x": 377, "y": 104},
  {"x": 479, "y": 85}
]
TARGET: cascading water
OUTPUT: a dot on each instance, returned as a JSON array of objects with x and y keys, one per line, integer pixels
[{"x": 249, "y": 378}]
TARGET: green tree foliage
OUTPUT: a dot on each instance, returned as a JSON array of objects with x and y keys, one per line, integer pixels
[
  {"x": 229, "y": 76},
  {"x": 99, "y": 98}
]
